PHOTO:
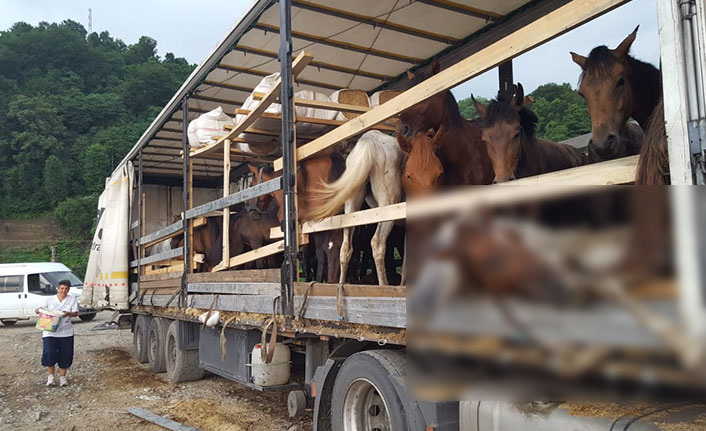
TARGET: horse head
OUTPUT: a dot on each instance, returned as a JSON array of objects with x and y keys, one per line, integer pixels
[
  {"x": 426, "y": 114},
  {"x": 505, "y": 125},
  {"x": 423, "y": 170},
  {"x": 607, "y": 87}
]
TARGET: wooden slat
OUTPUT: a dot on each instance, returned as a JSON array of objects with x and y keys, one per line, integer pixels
[
  {"x": 297, "y": 66},
  {"x": 179, "y": 268},
  {"x": 158, "y": 284},
  {"x": 351, "y": 290},
  {"x": 167, "y": 232},
  {"x": 235, "y": 288},
  {"x": 252, "y": 275},
  {"x": 545, "y": 28},
  {"x": 158, "y": 257},
  {"x": 252, "y": 255},
  {"x": 369, "y": 216},
  {"x": 159, "y": 420},
  {"x": 237, "y": 197},
  {"x": 620, "y": 171},
  {"x": 329, "y": 106},
  {"x": 159, "y": 277},
  {"x": 315, "y": 120}
]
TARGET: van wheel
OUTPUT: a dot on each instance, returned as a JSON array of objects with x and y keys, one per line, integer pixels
[
  {"x": 139, "y": 338},
  {"x": 8, "y": 322},
  {"x": 87, "y": 317},
  {"x": 182, "y": 365},
  {"x": 155, "y": 344},
  {"x": 363, "y": 395}
]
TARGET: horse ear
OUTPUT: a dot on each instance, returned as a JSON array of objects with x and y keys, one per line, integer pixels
[
  {"x": 519, "y": 98},
  {"x": 579, "y": 59},
  {"x": 481, "y": 108},
  {"x": 624, "y": 47},
  {"x": 405, "y": 145},
  {"x": 436, "y": 140},
  {"x": 410, "y": 75},
  {"x": 435, "y": 66},
  {"x": 529, "y": 100}
]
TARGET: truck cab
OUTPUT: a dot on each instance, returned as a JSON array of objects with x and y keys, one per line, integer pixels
[{"x": 25, "y": 286}]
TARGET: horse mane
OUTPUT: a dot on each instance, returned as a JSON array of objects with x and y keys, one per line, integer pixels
[
  {"x": 499, "y": 111},
  {"x": 653, "y": 165},
  {"x": 453, "y": 114}
]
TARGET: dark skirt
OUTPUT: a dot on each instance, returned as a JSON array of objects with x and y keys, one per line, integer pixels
[{"x": 58, "y": 350}]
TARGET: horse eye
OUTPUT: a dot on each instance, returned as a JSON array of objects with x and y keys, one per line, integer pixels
[
  {"x": 517, "y": 136},
  {"x": 409, "y": 177},
  {"x": 581, "y": 94},
  {"x": 620, "y": 83}
]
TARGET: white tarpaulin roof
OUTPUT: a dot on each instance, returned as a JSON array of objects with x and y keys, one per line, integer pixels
[{"x": 366, "y": 44}]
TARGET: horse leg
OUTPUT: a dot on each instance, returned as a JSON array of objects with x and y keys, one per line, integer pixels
[
  {"x": 333, "y": 247},
  {"x": 379, "y": 246},
  {"x": 353, "y": 204}
]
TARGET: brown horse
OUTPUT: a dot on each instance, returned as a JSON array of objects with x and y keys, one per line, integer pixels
[
  {"x": 616, "y": 87},
  {"x": 653, "y": 166},
  {"x": 206, "y": 240},
  {"x": 508, "y": 132},
  {"x": 456, "y": 157}
]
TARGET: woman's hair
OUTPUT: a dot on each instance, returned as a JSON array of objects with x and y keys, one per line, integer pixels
[{"x": 66, "y": 283}]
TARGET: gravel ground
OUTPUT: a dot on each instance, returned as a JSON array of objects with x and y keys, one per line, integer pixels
[{"x": 104, "y": 381}]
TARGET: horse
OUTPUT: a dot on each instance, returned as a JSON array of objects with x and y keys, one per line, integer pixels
[
  {"x": 653, "y": 166},
  {"x": 250, "y": 230},
  {"x": 372, "y": 175},
  {"x": 456, "y": 157},
  {"x": 322, "y": 252},
  {"x": 515, "y": 152},
  {"x": 616, "y": 86},
  {"x": 207, "y": 240}
]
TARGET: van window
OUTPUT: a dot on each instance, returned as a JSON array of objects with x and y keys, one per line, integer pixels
[
  {"x": 34, "y": 285},
  {"x": 12, "y": 283},
  {"x": 55, "y": 277}
]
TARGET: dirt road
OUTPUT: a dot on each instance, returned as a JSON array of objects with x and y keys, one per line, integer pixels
[{"x": 105, "y": 381}]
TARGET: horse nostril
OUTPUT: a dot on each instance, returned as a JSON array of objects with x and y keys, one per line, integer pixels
[
  {"x": 512, "y": 178},
  {"x": 495, "y": 181},
  {"x": 611, "y": 140}
]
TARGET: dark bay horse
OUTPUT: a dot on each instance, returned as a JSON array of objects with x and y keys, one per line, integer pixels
[
  {"x": 616, "y": 87},
  {"x": 456, "y": 157},
  {"x": 508, "y": 133}
]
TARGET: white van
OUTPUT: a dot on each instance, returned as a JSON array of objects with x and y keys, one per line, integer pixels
[{"x": 25, "y": 286}]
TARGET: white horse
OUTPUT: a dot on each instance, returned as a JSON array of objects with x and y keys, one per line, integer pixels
[{"x": 376, "y": 160}]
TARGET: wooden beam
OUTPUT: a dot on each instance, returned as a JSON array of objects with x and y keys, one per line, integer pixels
[
  {"x": 315, "y": 120},
  {"x": 317, "y": 64},
  {"x": 245, "y": 275},
  {"x": 263, "y": 73},
  {"x": 216, "y": 100},
  {"x": 350, "y": 290},
  {"x": 359, "y": 218},
  {"x": 228, "y": 86},
  {"x": 342, "y": 45},
  {"x": 462, "y": 8},
  {"x": 375, "y": 22},
  {"x": 159, "y": 420},
  {"x": 547, "y": 27},
  {"x": 165, "y": 255},
  {"x": 268, "y": 250},
  {"x": 619, "y": 171},
  {"x": 320, "y": 104},
  {"x": 237, "y": 197},
  {"x": 297, "y": 66}
]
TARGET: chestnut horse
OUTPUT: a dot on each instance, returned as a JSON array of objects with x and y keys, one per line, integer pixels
[
  {"x": 456, "y": 157},
  {"x": 616, "y": 87},
  {"x": 508, "y": 132}
]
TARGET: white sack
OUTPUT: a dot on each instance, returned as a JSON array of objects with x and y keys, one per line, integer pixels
[{"x": 206, "y": 126}]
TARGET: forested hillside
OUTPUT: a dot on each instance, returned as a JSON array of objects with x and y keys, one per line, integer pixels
[{"x": 71, "y": 105}]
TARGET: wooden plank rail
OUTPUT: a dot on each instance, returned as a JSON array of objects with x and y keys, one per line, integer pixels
[
  {"x": 298, "y": 65},
  {"x": 167, "y": 232},
  {"x": 315, "y": 120},
  {"x": 237, "y": 197},
  {"x": 320, "y": 104},
  {"x": 166, "y": 255},
  {"x": 543, "y": 29}
]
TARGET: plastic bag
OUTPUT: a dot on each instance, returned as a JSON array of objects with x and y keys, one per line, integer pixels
[{"x": 48, "y": 320}]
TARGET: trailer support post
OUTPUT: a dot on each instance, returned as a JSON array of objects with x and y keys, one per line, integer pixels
[
  {"x": 185, "y": 197},
  {"x": 506, "y": 87},
  {"x": 290, "y": 267}
]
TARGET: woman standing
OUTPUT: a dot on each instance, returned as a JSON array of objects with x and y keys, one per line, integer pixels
[{"x": 59, "y": 345}]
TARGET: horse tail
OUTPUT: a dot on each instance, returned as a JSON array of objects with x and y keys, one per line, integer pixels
[
  {"x": 328, "y": 199},
  {"x": 653, "y": 165}
]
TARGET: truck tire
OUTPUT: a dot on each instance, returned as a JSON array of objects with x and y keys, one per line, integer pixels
[
  {"x": 155, "y": 344},
  {"x": 8, "y": 322},
  {"x": 364, "y": 397},
  {"x": 182, "y": 365},
  {"x": 139, "y": 338},
  {"x": 87, "y": 317}
]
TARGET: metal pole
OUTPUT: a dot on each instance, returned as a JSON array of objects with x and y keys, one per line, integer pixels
[
  {"x": 185, "y": 197},
  {"x": 140, "y": 190},
  {"x": 506, "y": 88},
  {"x": 290, "y": 268}
]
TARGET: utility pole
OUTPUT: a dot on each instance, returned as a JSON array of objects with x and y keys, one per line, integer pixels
[{"x": 90, "y": 21}]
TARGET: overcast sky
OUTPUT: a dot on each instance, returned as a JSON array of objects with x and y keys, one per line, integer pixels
[{"x": 192, "y": 29}]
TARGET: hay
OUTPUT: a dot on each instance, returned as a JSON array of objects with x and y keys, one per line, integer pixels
[{"x": 349, "y": 96}]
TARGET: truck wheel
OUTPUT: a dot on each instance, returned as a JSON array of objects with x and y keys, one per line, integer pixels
[
  {"x": 155, "y": 344},
  {"x": 296, "y": 403},
  {"x": 87, "y": 317},
  {"x": 139, "y": 338},
  {"x": 182, "y": 365},
  {"x": 363, "y": 395},
  {"x": 8, "y": 322}
]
